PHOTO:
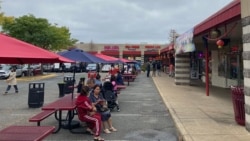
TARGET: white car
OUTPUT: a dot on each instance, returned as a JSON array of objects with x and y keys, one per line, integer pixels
[
  {"x": 4, "y": 71},
  {"x": 91, "y": 67},
  {"x": 106, "y": 68}
]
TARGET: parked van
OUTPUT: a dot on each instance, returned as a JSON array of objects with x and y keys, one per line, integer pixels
[{"x": 56, "y": 67}]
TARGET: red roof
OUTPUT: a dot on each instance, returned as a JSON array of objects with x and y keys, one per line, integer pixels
[
  {"x": 229, "y": 12},
  {"x": 110, "y": 52},
  {"x": 106, "y": 57},
  {"x": 168, "y": 48}
]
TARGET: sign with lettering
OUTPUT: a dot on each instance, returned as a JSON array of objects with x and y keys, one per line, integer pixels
[
  {"x": 132, "y": 47},
  {"x": 184, "y": 43},
  {"x": 111, "y": 48}
]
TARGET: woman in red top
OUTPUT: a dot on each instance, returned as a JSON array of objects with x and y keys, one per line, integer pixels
[{"x": 87, "y": 113}]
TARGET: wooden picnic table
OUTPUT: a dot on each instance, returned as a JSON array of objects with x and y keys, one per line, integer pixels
[
  {"x": 66, "y": 103},
  {"x": 25, "y": 133}
]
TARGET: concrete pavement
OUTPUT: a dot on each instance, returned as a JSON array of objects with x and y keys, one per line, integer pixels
[
  {"x": 199, "y": 117},
  {"x": 143, "y": 115}
]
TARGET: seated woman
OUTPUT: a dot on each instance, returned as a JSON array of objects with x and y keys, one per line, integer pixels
[
  {"x": 101, "y": 106},
  {"x": 87, "y": 113}
]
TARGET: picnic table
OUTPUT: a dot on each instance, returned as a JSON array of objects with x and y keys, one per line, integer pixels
[
  {"x": 128, "y": 77},
  {"x": 66, "y": 103},
  {"x": 119, "y": 87},
  {"x": 25, "y": 133}
]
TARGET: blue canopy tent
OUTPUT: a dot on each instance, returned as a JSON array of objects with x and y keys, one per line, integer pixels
[{"x": 79, "y": 55}]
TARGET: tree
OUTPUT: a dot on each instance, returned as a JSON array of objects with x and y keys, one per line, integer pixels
[{"x": 39, "y": 32}]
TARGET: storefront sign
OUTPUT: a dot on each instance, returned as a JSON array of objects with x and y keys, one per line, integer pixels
[
  {"x": 184, "y": 43},
  {"x": 132, "y": 47},
  {"x": 111, "y": 48}
]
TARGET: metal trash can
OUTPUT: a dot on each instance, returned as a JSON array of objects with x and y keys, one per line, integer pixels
[
  {"x": 61, "y": 87},
  {"x": 69, "y": 81},
  {"x": 36, "y": 95},
  {"x": 238, "y": 104}
]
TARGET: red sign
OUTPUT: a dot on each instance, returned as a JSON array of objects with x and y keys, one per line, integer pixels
[
  {"x": 111, "y": 47},
  {"x": 132, "y": 47}
]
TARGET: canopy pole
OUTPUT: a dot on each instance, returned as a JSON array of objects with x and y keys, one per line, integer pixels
[
  {"x": 74, "y": 75},
  {"x": 205, "y": 41}
]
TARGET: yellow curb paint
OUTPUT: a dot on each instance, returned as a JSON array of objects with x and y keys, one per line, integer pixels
[{"x": 38, "y": 77}]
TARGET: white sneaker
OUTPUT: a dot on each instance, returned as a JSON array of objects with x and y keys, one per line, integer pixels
[
  {"x": 112, "y": 129},
  {"x": 106, "y": 131}
]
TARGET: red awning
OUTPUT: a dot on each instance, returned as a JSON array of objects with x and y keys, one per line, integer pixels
[
  {"x": 131, "y": 52},
  {"x": 151, "y": 52},
  {"x": 229, "y": 12},
  {"x": 116, "y": 53},
  {"x": 168, "y": 48}
]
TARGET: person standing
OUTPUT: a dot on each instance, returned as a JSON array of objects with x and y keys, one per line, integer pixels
[
  {"x": 148, "y": 69},
  {"x": 12, "y": 81},
  {"x": 154, "y": 69},
  {"x": 159, "y": 68}
]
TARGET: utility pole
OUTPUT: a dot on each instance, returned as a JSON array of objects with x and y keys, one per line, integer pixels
[{"x": 172, "y": 36}]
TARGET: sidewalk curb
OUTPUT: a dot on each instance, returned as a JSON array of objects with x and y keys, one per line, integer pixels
[
  {"x": 38, "y": 77},
  {"x": 183, "y": 135}
]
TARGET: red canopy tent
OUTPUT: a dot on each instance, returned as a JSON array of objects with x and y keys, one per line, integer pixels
[
  {"x": 106, "y": 57},
  {"x": 113, "y": 59},
  {"x": 13, "y": 51},
  {"x": 126, "y": 60}
]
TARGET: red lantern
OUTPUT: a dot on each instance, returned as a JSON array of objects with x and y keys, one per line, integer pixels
[{"x": 220, "y": 43}]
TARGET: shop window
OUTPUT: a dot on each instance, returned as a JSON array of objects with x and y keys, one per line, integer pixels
[{"x": 230, "y": 65}]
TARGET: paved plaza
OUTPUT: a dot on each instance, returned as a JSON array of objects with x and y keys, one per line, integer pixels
[{"x": 143, "y": 115}]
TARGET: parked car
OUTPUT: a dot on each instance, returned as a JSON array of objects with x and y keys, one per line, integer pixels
[
  {"x": 91, "y": 67},
  {"x": 56, "y": 67},
  {"x": 4, "y": 71},
  {"x": 106, "y": 67},
  {"x": 47, "y": 67},
  {"x": 67, "y": 67},
  {"x": 19, "y": 70},
  {"x": 31, "y": 70}
]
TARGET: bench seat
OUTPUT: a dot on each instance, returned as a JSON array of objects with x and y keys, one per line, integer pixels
[{"x": 41, "y": 116}]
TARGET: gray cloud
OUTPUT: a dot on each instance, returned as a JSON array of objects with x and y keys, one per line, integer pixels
[{"x": 118, "y": 21}]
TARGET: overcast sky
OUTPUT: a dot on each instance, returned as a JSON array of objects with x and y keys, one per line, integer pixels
[{"x": 118, "y": 21}]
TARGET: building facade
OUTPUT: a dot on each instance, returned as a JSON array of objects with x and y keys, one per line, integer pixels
[{"x": 139, "y": 52}]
